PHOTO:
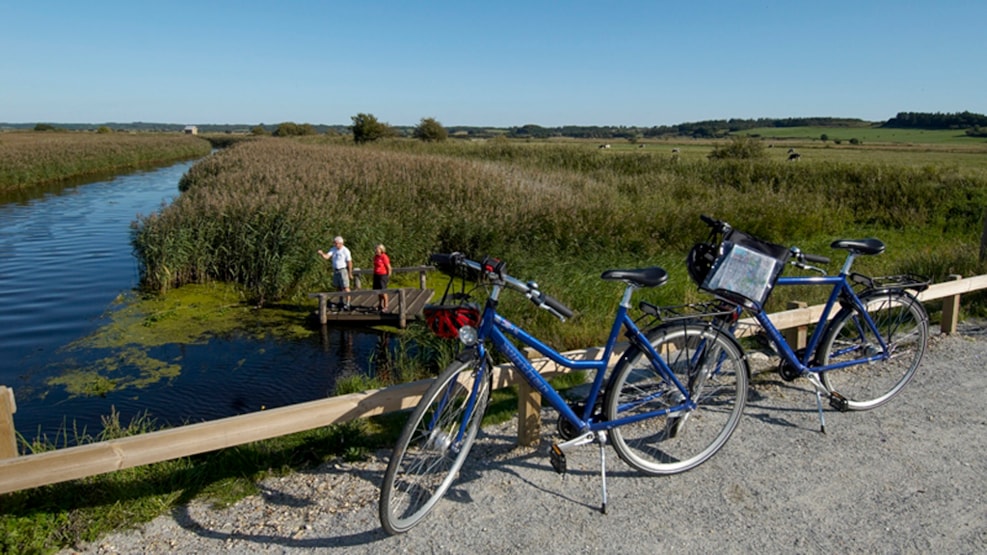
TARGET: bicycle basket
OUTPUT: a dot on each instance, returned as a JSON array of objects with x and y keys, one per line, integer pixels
[
  {"x": 746, "y": 269},
  {"x": 700, "y": 261},
  {"x": 445, "y": 320}
]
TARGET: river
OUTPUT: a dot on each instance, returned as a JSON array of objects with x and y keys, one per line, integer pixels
[{"x": 66, "y": 259}]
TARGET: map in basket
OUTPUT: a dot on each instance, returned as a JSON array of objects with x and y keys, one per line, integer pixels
[{"x": 744, "y": 271}]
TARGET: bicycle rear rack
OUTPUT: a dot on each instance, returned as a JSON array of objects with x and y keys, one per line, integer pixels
[
  {"x": 705, "y": 311},
  {"x": 900, "y": 281}
]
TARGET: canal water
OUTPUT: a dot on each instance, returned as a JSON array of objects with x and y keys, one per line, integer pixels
[{"x": 66, "y": 259}]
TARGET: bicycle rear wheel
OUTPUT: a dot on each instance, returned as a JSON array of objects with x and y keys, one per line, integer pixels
[
  {"x": 904, "y": 326},
  {"x": 434, "y": 444},
  {"x": 710, "y": 365}
]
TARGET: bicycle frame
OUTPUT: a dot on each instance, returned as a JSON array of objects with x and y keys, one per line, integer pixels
[
  {"x": 841, "y": 291},
  {"x": 495, "y": 328}
]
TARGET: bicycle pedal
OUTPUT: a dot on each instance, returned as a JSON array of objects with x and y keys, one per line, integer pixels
[
  {"x": 838, "y": 402},
  {"x": 557, "y": 458}
]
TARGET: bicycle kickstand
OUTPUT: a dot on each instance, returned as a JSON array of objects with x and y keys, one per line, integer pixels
[
  {"x": 601, "y": 438},
  {"x": 818, "y": 386},
  {"x": 559, "y": 462}
]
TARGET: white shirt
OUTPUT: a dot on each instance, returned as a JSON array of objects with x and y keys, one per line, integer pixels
[{"x": 340, "y": 257}]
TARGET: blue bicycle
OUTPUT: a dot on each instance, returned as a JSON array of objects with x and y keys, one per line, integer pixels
[
  {"x": 672, "y": 400},
  {"x": 871, "y": 334}
]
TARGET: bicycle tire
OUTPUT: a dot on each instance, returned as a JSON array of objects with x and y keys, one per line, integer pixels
[
  {"x": 711, "y": 365},
  {"x": 427, "y": 457},
  {"x": 903, "y": 323}
]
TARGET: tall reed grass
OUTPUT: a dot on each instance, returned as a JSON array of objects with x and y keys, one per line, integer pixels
[
  {"x": 32, "y": 158},
  {"x": 256, "y": 213}
]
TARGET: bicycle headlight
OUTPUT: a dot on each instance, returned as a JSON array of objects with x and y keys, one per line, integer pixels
[{"x": 468, "y": 335}]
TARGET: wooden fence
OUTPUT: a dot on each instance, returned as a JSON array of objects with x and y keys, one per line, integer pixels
[{"x": 28, "y": 471}]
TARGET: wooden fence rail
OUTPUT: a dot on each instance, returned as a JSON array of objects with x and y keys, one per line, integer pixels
[{"x": 28, "y": 471}]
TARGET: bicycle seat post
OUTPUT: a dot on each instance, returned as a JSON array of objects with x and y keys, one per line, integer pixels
[
  {"x": 625, "y": 301},
  {"x": 848, "y": 262}
]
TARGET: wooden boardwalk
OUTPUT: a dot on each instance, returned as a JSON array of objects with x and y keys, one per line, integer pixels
[{"x": 403, "y": 305}]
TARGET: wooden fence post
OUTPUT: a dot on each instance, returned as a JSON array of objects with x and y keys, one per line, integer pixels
[
  {"x": 951, "y": 309},
  {"x": 528, "y": 411},
  {"x": 402, "y": 309},
  {"x": 323, "y": 315},
  {"x": 797, "y": 337},
  {"x": 8, "y": 435}
]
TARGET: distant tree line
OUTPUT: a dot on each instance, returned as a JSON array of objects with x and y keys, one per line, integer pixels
[
  {"x": 937, "y": 120},
  {"x": 367, "y": 128}
]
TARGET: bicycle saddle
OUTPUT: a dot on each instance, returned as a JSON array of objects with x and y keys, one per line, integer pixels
[
  {"x": 860, "y": 246},
  {"x": 644, "y": 277}
]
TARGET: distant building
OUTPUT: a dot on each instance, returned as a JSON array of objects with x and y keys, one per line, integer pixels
[{"x": 191, "y": 130}]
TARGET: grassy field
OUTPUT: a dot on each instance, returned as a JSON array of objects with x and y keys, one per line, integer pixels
[
  {"x": 869, "y": 135},
  {"x": 29, "y": 159}
]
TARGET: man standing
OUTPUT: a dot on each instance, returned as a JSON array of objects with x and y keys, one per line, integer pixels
[{"x": 342, "y": 266}]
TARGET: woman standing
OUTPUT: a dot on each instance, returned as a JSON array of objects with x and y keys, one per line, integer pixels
[{"x": 382, "y": 275}]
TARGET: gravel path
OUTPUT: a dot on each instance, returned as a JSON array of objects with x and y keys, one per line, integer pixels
[{"x": 909, "y": 477}]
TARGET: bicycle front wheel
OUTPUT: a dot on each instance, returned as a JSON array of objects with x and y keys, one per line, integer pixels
[
  {"x": 434, "y": 444},
  {"x": 903, "y": 324},
  {"x": 710, "y": 365}
]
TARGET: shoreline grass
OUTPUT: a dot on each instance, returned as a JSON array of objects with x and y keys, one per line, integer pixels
[{"x": 30, "y": 159}]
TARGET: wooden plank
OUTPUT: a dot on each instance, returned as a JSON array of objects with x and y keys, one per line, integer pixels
[
  {"x": 950, "y": 310},
  {"x": 97, "y": 458},
  {"x": 365, "y": 303},
  {"x": 950, "y": 288}
]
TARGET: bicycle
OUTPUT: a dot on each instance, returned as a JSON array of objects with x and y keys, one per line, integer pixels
[
  {"x": 672, "y": 400},
  {"x": 859, "y": 356}
]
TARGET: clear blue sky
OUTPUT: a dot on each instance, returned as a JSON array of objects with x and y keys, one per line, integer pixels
[{"x": 487, "y": 63}]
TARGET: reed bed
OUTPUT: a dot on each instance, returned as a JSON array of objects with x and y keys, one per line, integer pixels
[
  {"x": 256, "y": 213},
  {"x": 37, "y": 158}
]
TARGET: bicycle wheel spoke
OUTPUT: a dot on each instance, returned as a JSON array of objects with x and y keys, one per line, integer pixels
[
  {"x": 673, "y": 438},
  {"x": 903, "y": 327},
  {"x": 433, "y": 445}
]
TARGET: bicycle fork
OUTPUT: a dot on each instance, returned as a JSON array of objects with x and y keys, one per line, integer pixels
[{"x": 559, "y": 450}]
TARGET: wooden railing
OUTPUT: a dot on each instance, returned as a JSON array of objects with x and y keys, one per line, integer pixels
[
  {"x": 28, "y": 471},
  {"x": 422, "y": 271}
]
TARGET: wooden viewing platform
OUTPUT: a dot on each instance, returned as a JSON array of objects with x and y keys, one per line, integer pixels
[{"x": 403, "y": 304}]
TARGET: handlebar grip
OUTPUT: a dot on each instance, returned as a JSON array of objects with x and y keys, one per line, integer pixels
[
  {"x": 816, "y": 258},
  {"x": 718, "y": 225},
  {"x": 553, "y": 303}
]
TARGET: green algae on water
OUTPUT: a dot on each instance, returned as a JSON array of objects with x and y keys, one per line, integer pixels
[{"x": 187, "y": 315}]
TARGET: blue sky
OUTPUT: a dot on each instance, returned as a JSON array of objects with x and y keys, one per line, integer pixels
[{"x": 492, "y": 63}]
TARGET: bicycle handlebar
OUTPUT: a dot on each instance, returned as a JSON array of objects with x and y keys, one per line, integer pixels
[
  {"x": 720, "y": 226},
  {"x": 493, "y": 269},
  {"x": 815, "y": 258}
]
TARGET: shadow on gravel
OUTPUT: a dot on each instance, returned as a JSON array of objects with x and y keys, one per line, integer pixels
[{"x": 186, "y": 520}]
